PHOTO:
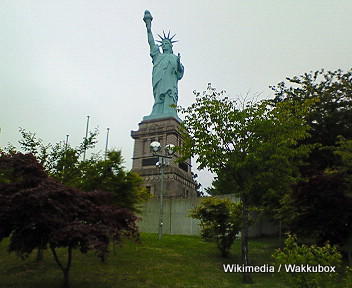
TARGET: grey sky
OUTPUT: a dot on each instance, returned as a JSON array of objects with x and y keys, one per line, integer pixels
[{"x": 63, "y": 60}]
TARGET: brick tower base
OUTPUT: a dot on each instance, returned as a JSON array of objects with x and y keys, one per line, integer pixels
[{"x": 178, "y": 181}]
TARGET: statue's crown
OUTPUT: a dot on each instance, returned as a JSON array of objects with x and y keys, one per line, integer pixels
[{"x": 166, "y": 37}]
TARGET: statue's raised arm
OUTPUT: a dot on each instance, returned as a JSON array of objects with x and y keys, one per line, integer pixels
[
  {"x": 167, "y": 71},
  {"x": 148, "y": 23}
]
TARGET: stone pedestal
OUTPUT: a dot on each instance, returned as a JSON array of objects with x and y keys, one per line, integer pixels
[{"x": 178, "y": 182}]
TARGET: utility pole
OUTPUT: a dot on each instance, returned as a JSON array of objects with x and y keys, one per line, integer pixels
[
  {"x": 66, "y": 143},
  {"x": 106, "y": 143},
  {"x": 85, "y": 139},
  {"x": 65, "y": 157}
]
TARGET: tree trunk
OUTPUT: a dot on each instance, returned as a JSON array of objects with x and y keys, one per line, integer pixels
[
  {"x": 244, "y": 242},
  {"x": 113, "y": 247},
  {"x": 40, "y": 252},
  {"x": 65, "y": 270},
  {"x": 66, "y": 283},
  {"x": 40, "y": 255}
]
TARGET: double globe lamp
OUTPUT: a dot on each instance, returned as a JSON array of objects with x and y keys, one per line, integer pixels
[{"x": 164, "y": 155}]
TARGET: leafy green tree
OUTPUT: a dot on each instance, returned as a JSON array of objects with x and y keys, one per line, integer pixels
[
  {"x": 318, "y": 210},
  {"x": 256, "y": 143},
  {"x": 109, "y": 175},
  {"x": 220, "y": 221},
  {"x": 60, "y": 160},
  {"x": 223, "y": 183},
  {"x": 320, "y": 206},
  {"x": 328, "y": 117},
  {"x": 198, "y": 186},
  {"x": 63, "y": 162},
  {"x": 344, "y": 151}
]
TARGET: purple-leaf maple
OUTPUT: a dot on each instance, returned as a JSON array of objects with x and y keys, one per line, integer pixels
[{"x": 37, "y": 211}]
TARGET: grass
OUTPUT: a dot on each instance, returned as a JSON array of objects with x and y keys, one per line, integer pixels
[{"x": 174, "y": 262}]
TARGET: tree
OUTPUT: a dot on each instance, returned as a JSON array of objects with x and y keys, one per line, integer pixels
[
  {"x": 223, "y": 183},
  {"x": 328, "y": 117},
  {"x": 198, "y": 186},
  {"x": 220, "y": 221},
  {"x": 256, "y": 143},
  {"x": 63, "y": 162},
  {"x": 109, "y": 175},
  {"x": 37, "y": 211},
  {"x": 320, "y": 206},
  {"x": 344, "y": 151},
  {"x": 318, "y": 210},
  {"x": 60, "y": 161}
]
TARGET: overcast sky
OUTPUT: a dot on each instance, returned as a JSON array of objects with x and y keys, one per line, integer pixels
[{"x": 63, "y": 60}]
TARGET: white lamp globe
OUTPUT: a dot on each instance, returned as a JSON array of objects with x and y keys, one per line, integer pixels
[
  {"x": 170, "y": 149},
  {"x": 155, "y": 146}
]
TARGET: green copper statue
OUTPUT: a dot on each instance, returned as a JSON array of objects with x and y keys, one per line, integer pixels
[{"x": 167, "y": 70}]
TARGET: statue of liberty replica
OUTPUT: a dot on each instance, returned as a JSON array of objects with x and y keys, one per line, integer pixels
[
  {"x": 162, "y": 125},
  {"x": 167, "y": 70}
]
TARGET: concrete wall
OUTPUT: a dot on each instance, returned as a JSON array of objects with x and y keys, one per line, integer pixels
[
  {"x": 177, "y": 221},
  {"x": 175, "y": 216}
]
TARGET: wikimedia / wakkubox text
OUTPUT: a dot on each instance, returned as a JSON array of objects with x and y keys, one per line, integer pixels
[{"x": 289, "y": 268}]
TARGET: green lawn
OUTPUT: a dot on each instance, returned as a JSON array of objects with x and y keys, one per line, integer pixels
[{"x": 175, "y": 261}]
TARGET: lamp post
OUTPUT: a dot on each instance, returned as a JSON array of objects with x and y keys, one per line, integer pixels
[{"x": 164, "y": 154}]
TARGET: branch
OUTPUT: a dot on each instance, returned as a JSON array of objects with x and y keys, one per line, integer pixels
[{"x": 57, "y": 258}]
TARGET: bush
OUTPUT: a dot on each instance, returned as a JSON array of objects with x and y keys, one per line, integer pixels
[
  {"x": 348, "y": 278},
  {"x": 220, "y": 221},
  {"x": 296, "y": 254}
]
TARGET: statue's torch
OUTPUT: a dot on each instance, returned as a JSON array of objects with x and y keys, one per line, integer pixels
[{"x": 147, "y": 19}]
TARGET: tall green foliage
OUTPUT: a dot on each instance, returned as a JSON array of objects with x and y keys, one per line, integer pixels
[
  {"x": 321, "y": 206},
  {"x": 255, "y": 143},
  {"x": 223, "y": 183},
  {"x": 63, "y": 163},
  {"x": 344, "y": 151},
  {"x": 328, "y": 117},
  {"x": 109, "y": 175}
]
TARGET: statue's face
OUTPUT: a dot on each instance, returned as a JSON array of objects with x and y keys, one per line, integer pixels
[{"x": 166, "y": 46}]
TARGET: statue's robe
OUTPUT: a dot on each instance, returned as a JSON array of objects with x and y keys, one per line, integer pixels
[{"x": 166, "y": 73}]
